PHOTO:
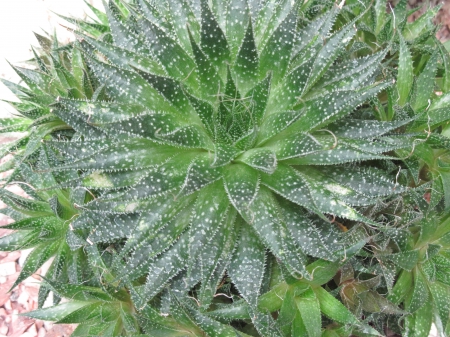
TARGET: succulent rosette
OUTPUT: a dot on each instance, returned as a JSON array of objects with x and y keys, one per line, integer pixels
[{"x": 226, "y": 134}]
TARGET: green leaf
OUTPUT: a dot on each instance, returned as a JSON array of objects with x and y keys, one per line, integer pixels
[
  {"x": 57, "y": 270},
  {"x": 314, "y": 33},
  {"x": 380, "y": 14},
  {"x": 128, "y": 87},
  {"x": 149, "y": 241},
  {"x": 155, "y": 184},
  {"x": 322, "y": 271},
  {"x": 328, "y": 54},
  {"x": 445, "y": 178},
  {"x": 216, "y": 258},
  {"x": 304, "y": 188},
  {"x": 275, "y": 56},
  {"x": 406, "y": 260},
  {"x": 231, "y": 93},
  {"x": 15, "y": 88},
  {"x": 98, "y": 13},
  {"x": 316, "y": 237},
  {"x": 121, "y": 57},
  {"x": 181, "y": 315},
  {"x": 215, "y": 328},
  {"x": 237, "y": 23},
  {"x": 14, "y": 124},
  {"x": 92, "y": 28},
  {"x": 430, "y": 119},
  {"x": 263, "y": 215},
  {"x": 132, "y": 154},
  {"x": 261, "y": 159},
  {"x": 405, "y": 73},
  {"x": 402, "y": 287},
  {"x": 423, "y": 24},
  {"x": 78, "y": 67},
  {"x": 100, "y": 226},
  {"x": 419, "y": 324},
  {"x": 286, "y": 182},
  {"x": 309, "y": 308},
  {"x": 39, "y": 83},
  {"x": 17, "y": 241},
  {"x": 44, "y": 42},
  {"x": 224, "y": 154},
  {"x": 25, "y": 205},
  {"x": 247, "y": 61},
  {"x": 123, "y": 35},
  {"x": 36, "y": 259},
  {"x": 288, "y": 312},
  {"x": 420, "y": 294},
  {"x": 32, "y": 223},
  {"x": 247, "y": 266},
  {"x": 129, "y": 320},
  {"x": 400, "y": 12},
  {"x": 212, "y": 39},
  {"x": 112, "y": 326},
  {"x": 162, "y": 128},
  {"x": 360, "y": 129},
  {"x": 82, "y": 314},
  {"x": 91, "y": 262},
  {"x": 192, "y": 136},
  {"x": 154, "y": 14},
  {"x": 296, "y": 145},
  {"x": 298, "y": 327},
  {"x": 441, "y": 299},
  {"x": 205, "y": 112},
  {"x": 181, "y": 15},
  {"x": 209, "y": 213},
  {"x": 154, "y": 230},
  {"x": 350, "y": 74},
  {"x": 166, "y": 267},
  {"x": 333, "y": 106},
  {"x": 64, "y": 76},
  {"x": 171, "y": 90},
  {"x": 274, "y": 123},
  {"x": 351, "y": 150},
  {"x": 77, "y": 149},
  {"x": 70, "y": 117},
  {"x": 58, "y": 312},
  {"x": 265, "y": 324},
  {"x": 425, "y": 84},
  {"x": 210, "y": 81},
  {"x": 259, "y": 96},
  {"x": 241, "y": 184},
  {"x": 445, "y": 57},
  {"x": 164, "y": 48},
  {"x": 369, "y": 182},
  {"x": 287, "y": 93},
  {"x": 332, "y": 308},
  {"x": 271, "y": 15},
  {"x": 200, "y": 174},
  {"x": 113, "y": 180}
]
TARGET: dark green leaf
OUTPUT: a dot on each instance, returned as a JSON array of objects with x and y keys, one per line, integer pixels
[{"x": 247, "y": 266}]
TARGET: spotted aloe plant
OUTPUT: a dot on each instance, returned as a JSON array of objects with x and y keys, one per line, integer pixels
[
  {"x": 218, "y": 162},
  {"x": 208, "y": 154}
]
